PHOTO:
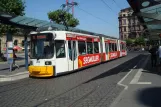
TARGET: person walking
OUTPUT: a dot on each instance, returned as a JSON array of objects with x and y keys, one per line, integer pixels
[
  {"x": 14, "y": 59},
  {"x": 159, "y": 54},
  {"x": 153, "y": 52}
]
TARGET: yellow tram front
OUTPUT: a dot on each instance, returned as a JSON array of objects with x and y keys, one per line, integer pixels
[{"x": 42, "y": 55}]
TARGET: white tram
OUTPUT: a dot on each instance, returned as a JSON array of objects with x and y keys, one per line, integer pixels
[{"x": 57, "y": 52}]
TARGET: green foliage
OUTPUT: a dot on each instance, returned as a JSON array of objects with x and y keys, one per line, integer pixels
[
  {"x": 15, "y": 7},
  {"x": 60, "y": 16},
  {"x": 139, "y": 41},
  {"x": 129, "y": 42}
]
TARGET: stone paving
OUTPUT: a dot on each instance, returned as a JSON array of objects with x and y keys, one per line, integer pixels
[{"x": 95, "y": 86}]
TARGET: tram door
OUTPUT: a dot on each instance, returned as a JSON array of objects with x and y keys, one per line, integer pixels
[
  {"x": 61, "y": 57},
  {"x": 72, "y": 55}
]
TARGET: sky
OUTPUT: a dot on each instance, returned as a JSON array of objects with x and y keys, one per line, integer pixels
[{"x": 93, "y": 15}]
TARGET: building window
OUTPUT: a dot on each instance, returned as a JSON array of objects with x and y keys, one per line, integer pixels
[
  {"x": 124, "y": 21},
  {"x": 125, "y": 29},
  {"x": 129, "y": 29},
  {"x": 129, "y": 22},
  {"x": 120, "y": 22},
  {"x": 15, "y": 42},
  {"x": 120, "y": 30},
  {"x": 125, "y": 36},
  {"x": 23, "y": 43}
]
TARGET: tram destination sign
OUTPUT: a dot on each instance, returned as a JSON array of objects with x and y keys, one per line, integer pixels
[{"x": 46, "y": 36}]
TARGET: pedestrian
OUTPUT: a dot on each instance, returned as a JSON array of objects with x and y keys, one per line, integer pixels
[
  {"x": 14, "y": 59},
  {"x": 159, "y": 54},
  {"x": 153, "y": 52}
]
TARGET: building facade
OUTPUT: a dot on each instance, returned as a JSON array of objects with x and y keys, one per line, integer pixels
[
  {"x": 17, "y": 41},
  {"x": 129, "y": 25}
]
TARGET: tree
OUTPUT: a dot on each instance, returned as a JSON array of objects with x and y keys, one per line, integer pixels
[
  {"x": 63, "y": 17},
  {"x": 15, "y": 7},
  {"x": 129, "y": 42},
  {"x": 139, "y": 41}
]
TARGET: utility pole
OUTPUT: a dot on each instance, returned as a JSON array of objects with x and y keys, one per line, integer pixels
[
  {"x": 73, "y": 7},
  {"x": 65, "y": 8}
]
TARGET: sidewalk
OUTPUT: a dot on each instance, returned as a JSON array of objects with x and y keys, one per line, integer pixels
[
  {"x": 145, "y": 92},
  {"x": 6, "y": 75}
]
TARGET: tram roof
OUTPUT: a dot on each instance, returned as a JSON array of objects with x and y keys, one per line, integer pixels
[
  {"x": 149, "y": 14},
  {"x": 33, "y": 24}
]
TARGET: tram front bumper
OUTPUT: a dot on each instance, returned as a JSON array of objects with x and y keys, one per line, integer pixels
[{"x": 41, "y": 71}]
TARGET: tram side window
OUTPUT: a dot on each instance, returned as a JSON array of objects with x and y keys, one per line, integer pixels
[
  {"x": 106, "y": 47},
  {"x": 124, "y": 47},
  {"x": 69, "y": 50},
  {"x": 89, "y": 47},
  {"x": 96, "y": 47},
  {"x": 60, "y": 48},
  {"x": 82, "y": 47},
  {"x": 115, "y": 47},
  {"x": 110, "y": 47}
]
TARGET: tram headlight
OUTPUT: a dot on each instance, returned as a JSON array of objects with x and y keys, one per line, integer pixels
[{"x": 48, "y": 63}]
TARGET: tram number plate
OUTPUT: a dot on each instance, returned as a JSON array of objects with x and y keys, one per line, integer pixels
[
  {"x": 38, "y": 62},
  {"x": 35, "y": 72}
]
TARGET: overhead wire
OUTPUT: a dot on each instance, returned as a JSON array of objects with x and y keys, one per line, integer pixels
[
  {"x": 116, "y": 4},
  {"x": 109, "y": 7},
  {"x": 93, "y": 15}
]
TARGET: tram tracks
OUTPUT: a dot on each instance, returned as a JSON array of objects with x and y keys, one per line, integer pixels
[
  {"x": 95, "y": 87},
  {"x": 81, "y": 86}
]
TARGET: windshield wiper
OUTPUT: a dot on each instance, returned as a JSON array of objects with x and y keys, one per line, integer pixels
[{"x": 38, "y": 57}]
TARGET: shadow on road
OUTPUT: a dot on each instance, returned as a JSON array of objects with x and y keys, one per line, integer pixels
[
  {"x": 153, "y": 70},
  {"x": 150, "y": 97},
  {"x": 125, "y": 67}
]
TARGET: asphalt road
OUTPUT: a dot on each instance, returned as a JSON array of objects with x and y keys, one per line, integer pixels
[{"x": 92, "y": 87}]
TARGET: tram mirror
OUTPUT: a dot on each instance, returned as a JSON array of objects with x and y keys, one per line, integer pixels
[{"x": 54, "y": 36}]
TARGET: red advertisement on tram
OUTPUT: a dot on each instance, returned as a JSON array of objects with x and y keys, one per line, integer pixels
[{"x": 85, "y": 60}]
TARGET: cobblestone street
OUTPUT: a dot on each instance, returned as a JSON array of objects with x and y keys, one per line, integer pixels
[{"x": 95, "y": 86}]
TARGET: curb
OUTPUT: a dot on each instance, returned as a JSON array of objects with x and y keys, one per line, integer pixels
[{"x": 17, "y": 76}]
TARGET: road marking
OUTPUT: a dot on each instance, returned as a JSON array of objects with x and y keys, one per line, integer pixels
[
  {"x": 138, "y": 75},
  {"x": 117, "y": 100},
  {"x": 144, "y": 83},
  {"x": 120, "y": 82}
]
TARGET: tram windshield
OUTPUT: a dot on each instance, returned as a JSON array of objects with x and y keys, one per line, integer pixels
[{"x": 42, "y": 46}]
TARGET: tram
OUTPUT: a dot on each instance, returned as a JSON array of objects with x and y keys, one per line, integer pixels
[{"x": 57, "y": 52}]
